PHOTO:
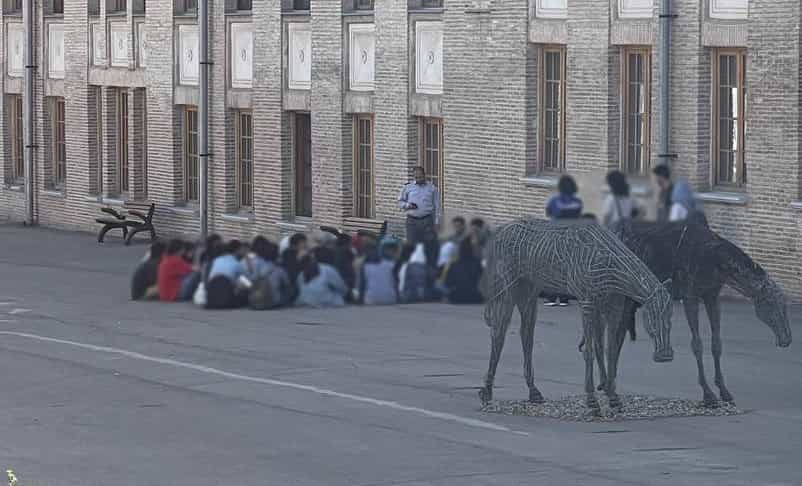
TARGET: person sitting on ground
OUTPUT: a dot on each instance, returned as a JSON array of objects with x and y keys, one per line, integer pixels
[
  {"x": 564, "y": 205},
  {"x": 192, "y": 280},
  {"x": 458, "y": 224},
  {"x": 378, "y": 285},
  {"x": 227, "y": 285},
  {"x": 416, "y": 279},
  {"x": 618, "y": 205},
  {"x": 263, "y": 270},
  {"x": 173, "y": 269},
  {"x": 319, "y": 284},
  {"x": 462, "y": 282},
  {"x": 480, "y": 234},
  {"x": 143, "y": 284}
]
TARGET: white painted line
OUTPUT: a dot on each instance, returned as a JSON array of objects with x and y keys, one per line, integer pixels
[
  {"x": 266, "y": 381},
  {"x": 6, "y": 303},
  {"x": 19, "y": 311}
]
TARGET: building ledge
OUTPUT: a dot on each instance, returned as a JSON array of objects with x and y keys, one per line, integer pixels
[
  {"x": 797, "y": 205},
  {"x": 54, "y": 193},
  {"x": 295, "y": 226},
  {"x": 547, "y": 181},
  {"x": 183, "y": 210},
  {"x": 735, "y": 198},
  {"x": 14, "y": 187},
  {"x": 238, "y": 217}
]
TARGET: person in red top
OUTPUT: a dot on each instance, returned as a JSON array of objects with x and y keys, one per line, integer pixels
[{"x": 172, "y": 270}]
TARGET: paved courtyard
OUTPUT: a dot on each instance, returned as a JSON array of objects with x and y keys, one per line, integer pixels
[{"x": 98, "y": 390}]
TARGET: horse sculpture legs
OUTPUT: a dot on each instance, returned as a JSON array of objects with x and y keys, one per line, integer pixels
[
  {"x": 590, "y": 320},
  {"x": 691, "y": 305},
  {"x": 714, "y": 315},
  {"x": 498, "y": 315}
]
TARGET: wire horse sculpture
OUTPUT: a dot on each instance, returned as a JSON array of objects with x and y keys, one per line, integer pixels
[
  {"x": 579, "y": 258},
  {"x": 699, "y": 262}
]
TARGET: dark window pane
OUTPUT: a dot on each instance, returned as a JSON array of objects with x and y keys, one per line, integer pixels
[{"x": 300, "y": 4}]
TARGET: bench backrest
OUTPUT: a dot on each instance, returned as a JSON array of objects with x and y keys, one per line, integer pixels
[
  {"x": 144, "y": 207},
  {"x": 376, "y": 227}
]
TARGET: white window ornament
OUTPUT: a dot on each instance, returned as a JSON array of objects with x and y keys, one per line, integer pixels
[
  {"x": 300, "y": 55},
  {"x": 98, "y": 45},
  {"x": 551, "y": 9},
  {"x": 188, "y": 63},
  {"x": 55, "y": 51},
  {"x": 142, "y": 44},
  {"x": 119, "y": 44},
  {"x": 15, "y": 33},
  {"x": 241, "y": 55},
  {"x": 635, "y": 9},
  {"x": 729, "y": 9},
  {"x": 362, "y": 42},
  {"x": 429, "y": 57}
]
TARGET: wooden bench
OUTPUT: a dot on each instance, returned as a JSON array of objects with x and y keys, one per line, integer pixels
[
  {"x": 135, "y": 217},
  {"x": 364, "y": 227},
  {"x": 373, "y": 228}
]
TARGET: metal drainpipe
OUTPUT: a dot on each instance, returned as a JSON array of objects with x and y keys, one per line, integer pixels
[
  {"x": 664, "y": 59},
  {"x": 203, "y": 116},
  {"x": 27, "y": 110}
]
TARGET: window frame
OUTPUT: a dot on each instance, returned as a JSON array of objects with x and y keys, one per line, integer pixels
[
  {"x": 116, "y": 6},
  {"x": 626, "y": 82},
  {"x": 543, "y": 112},
  {"x": 439, "y": 179},
  {"x": 97, "y": 92},
  {"x": 58, "y": 146},
  {"x": 715, "y": 148},
  {"x": 299, "y": 183},
  {"x": 122, "y": 162},
  {"x": 11, "y": 7},
  {"x": 190, "y": 157},
  {"x": 244, "y": 175},
  {"x": 364, "y": 172},
  {"x": 364, "y": 5},
  {"x": 15, "y": 135}
]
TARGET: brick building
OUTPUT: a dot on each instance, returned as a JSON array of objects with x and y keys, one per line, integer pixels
[{"x": 318, "y": 109}]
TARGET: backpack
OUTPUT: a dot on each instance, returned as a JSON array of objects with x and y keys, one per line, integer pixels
[{"x": 262, "y": 296}]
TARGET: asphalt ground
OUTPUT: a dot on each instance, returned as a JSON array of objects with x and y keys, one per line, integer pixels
[{"x": 98, "y": 390}]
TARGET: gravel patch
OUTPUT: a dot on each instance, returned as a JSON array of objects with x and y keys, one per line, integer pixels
[{"x": 634, "y": 407}]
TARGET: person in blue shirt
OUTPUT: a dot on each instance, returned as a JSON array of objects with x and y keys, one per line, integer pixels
[{"x": 564, "y": 205}]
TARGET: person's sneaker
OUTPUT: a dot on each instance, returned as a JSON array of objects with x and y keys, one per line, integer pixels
[
  {"x": 562, "y": 303},
  {"x": 551, "y": 303}
]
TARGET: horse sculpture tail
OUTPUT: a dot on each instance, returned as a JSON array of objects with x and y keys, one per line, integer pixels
[{"x": 487, "y": 280}]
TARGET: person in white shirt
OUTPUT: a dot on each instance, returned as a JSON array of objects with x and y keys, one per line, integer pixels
[{"x": 619, "y": 205}]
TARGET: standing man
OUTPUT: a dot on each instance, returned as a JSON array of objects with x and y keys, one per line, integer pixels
[
  {"x": 676, "y": 200},
  {"x": 421, "y": 201}
]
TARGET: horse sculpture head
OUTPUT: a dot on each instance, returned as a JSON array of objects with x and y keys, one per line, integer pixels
[
  {"x": 657, "y": 320},
  {"x": 770, "y": 308}
]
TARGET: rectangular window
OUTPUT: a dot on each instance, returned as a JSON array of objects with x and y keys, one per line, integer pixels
[
  {"x": 94, "y": 7},
  {"x": 243, "y": 4},
  {"x": 363, "y": 166},
  {"x": 191, "y": 166},
  {"x": 59, "y": 146},
  {"x": 729, "y": 100},
  {"x": 98, "y": 94},
  {"x": 302, "y": 143},
  {"x": 431, "y": 150},
  {"x": 56, "y": 7},
  {"x": 186, "y": 6},
  {"x": 363, "y": 5},
  {"x": 636, "y": 104},
  {"x": 15, "y": 135},
  {"x": 552, "y": 112},
  {"x": 122, "y": 142},
  {"x": 10, "y": 6},
  {"x": 245, "y": 158},
  {"x": 113, "y": 6},
  {"x": 300, "y": 4}
]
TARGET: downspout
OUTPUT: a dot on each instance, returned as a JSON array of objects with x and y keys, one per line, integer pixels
[
  {"x": 665, "y": 155},
  {"x": 27, "y": 110},
  {"x": 203, "y": 117}
]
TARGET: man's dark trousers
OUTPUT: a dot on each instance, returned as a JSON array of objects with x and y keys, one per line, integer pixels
[{"x": 421, "y": 230}]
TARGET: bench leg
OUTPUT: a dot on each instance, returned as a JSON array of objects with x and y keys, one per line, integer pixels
[
  {"x": 105, "y": 230},
  {"x": 152, "y": 235},
  {"x": 137, "y": 230}
]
